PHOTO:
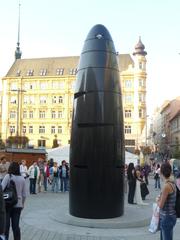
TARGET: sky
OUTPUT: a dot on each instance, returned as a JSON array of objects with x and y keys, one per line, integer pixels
[{"x": 53, "y": 28}]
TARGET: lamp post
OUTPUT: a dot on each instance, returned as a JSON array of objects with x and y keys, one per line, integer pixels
[{"x": 18, "y": 108}]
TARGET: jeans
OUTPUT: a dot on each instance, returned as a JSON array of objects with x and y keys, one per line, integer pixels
[
  {"x": 13, "y": 217},
  {"x": 167, "y": 224},
  {"x": 45, "y": 183},
  {"x": 64, "y": 182},
  {"x": 157, "y": 183},
  {"x": 32, "y": 185},
  {"x": 55, "y": 184}
]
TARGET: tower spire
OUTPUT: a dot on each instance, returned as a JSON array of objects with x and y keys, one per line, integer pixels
[{"x": 18, "y": 52}]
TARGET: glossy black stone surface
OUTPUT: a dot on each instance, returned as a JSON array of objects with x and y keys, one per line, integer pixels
[{"x": 97, "y": 136}]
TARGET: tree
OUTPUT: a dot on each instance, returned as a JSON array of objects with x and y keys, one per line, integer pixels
[{"x": 17, "y": 141}]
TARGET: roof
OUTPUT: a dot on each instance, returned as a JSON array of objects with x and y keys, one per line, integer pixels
[
  {"x": 52, "y": 64},
  {"x": 175, "y": 115},
  {"x": 26, "y": 150}
]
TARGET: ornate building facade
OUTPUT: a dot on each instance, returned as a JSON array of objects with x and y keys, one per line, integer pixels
[{"x": 37, "y": 98}]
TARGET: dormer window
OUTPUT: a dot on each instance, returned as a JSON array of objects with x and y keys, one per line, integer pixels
[
  {"x": 73, "y": 71},
  {"x": 18, "y": 73},
  {"x": 30, "y": 72},
  {"x": 43, "y": 72},
  {"x": 59, "y": 71}
]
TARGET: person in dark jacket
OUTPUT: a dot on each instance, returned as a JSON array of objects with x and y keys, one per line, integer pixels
[
  {"x": 131, "y": 182},
  {"x": 64, "y": 176},
  {"x": 2, "y": 215}
]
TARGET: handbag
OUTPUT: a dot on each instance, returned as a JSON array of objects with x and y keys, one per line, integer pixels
[
  {"x": 10, "y": 194},
  {"x": 154, "y": 224}
]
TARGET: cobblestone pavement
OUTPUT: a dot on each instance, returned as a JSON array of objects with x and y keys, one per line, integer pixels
[{"x": 38, "y": 223}]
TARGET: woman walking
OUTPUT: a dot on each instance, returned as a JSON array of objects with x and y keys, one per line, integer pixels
[
  {"x": 157, "y": 177},
  {"x": 166, "y": 203},
  {"x": 13, "y": 213},
  {"x": 131, "y": 182}
]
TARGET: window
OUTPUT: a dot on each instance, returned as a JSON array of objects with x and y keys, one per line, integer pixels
[
  {"x": 24, "y": 129},
  {"x": 141, "y": 113},
  {"x": 13, "y": 100},
  {"x": 61, "y": 85},
  {"x": 60, "y": 114},
  {"x": 13, "y": 86},
  {"x": 60, "y": 99},
  {"x": 73, "y": 85},
  {"x": 53, "y": 129},
  {"x": 59, "y": 71},
  {"x": 129, "y": 142},
  {"x": 42, "y": 99},
  {"x": 30, "y": 114},
  {"x": 30, "y": 129},
  {"x": 18, "y": 73},
  {"x": 26, "y": 99},
  {"x": 141, "y": 97},
  {"x": 24, "y": 114},
  {"x": 31, "y": 100},
  {"x": 127, "y": 129},
  {"x": 128, "y": 98},
  {"x": 53, "y": 114},
  {"x": 54, "y": 99},
  {"x": 73, "y": 71},
  {"x": 42, "y": 114},
  {"x": 127, "y": 113},
  {"x": 43, "y": 85},
  {"x": 12, "y": 129},
  {"x": 43, "y": 72},
  {"x": 12, "y": 114},
  {"x": 59, "y": 129},
  {"x": 41, "y": 129},
  {"x": 141, "y": 82},
  {"x": 140, "y": 65},
  {"x": 128, "y": 83},
  {"x": 30, "y": 72}
]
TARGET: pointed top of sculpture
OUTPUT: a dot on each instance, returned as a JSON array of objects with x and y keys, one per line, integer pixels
[{"x": 99, "y": 31}]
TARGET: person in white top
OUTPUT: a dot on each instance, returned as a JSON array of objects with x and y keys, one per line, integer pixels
[
  {"x": 137, "y": 196},
  {"x": 23, "y": 169},
  {"x": 157, "y": 177}
]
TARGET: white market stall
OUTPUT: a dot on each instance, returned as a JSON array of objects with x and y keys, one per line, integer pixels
[{"x": 62, "y": 153}]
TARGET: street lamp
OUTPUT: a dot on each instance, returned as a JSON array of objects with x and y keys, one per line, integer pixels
[{"x": 17, "y": 122}]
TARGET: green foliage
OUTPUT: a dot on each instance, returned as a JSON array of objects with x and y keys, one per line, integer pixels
[
  {"x": 17, "y": 140},
  {"x": 146, "y": 150}
]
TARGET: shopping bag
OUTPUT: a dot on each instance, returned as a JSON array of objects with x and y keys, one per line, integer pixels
[{"x": 154, "y": 225}]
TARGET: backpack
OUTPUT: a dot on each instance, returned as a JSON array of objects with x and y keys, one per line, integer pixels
[
  {"x": 10, "y": 194},
  {"x": 177, "y": 204}
]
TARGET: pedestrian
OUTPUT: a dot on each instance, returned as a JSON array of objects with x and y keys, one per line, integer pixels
[
  {"x": 131, "y": 182},
  {"x": 178, "y": 180},
  {"x": 139, "y": 180},
  {"x": 157, "y": 177},
  {"x": 4, "y": 165},
  {"x": 46, "y": 175},
  {"x": 33, "y": 172},
  {"x": 23, "y": 169},
  {"x": 2, "y": 215},
  {"x": 54, "y": 173},
  {"x": 166, "y": 202},
  {"x": 41, "y": 174},
  {"x": 64, "y": 175},
  {"x": 13, "y": 213}
]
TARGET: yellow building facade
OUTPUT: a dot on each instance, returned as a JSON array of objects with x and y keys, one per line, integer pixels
[{"x": 37, "y": 98}]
